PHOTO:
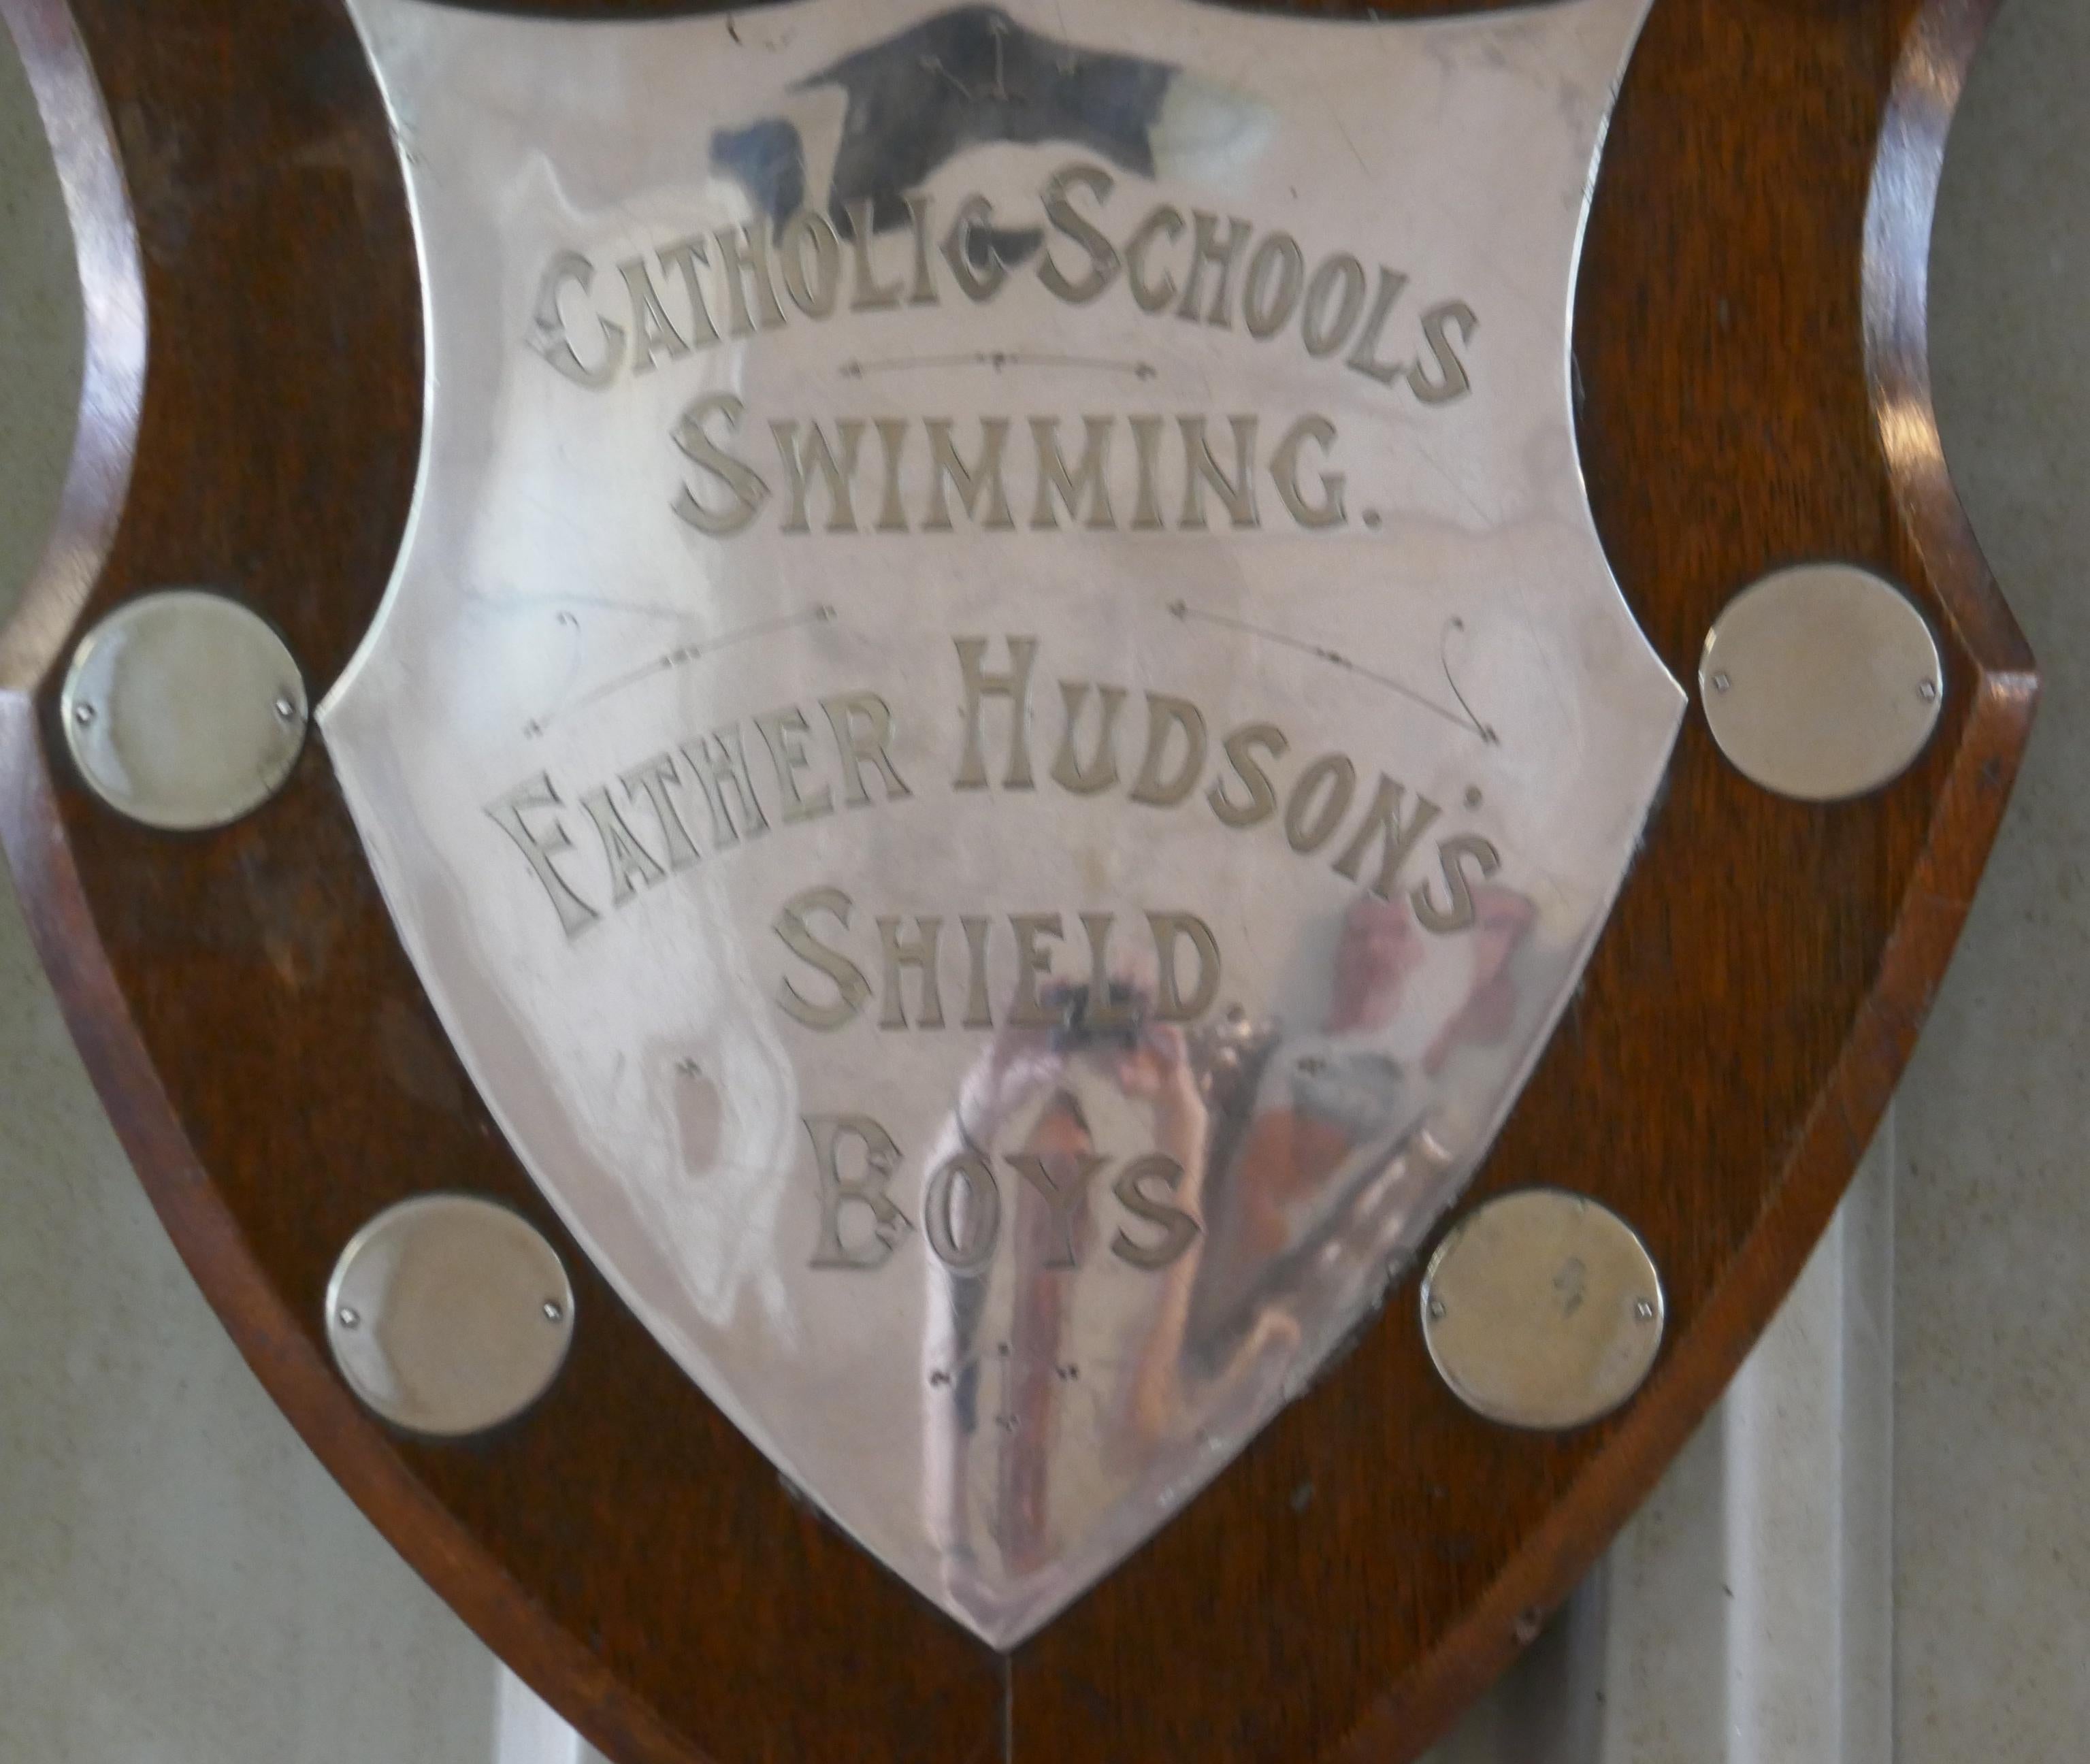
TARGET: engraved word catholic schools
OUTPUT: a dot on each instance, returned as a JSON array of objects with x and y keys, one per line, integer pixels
[{"x": 1139, "y": 470}]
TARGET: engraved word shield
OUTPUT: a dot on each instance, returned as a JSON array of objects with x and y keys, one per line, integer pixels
[{"x": 1002, "y": 728}]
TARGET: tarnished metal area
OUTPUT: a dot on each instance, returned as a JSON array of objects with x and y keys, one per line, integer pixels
[
  {"x": 448, "y": 1315},
  {"x": 1543, "y": 1309},
  {"x": 1822, "y": 682},
  {"x": 183, "y": 710},
  {"x": 1002, "y": 728}
]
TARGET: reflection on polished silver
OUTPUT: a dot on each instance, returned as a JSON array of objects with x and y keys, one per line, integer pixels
[
  {"x": 1542, "y": 1309},
  {"x": 449, "y": 1315},
  {"x": 1821, "y": 682},
  {"x": 1002, "y": 727},
  {"x": 183, "y": 710}
]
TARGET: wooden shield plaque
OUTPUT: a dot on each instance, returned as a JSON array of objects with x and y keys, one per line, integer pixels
[{"x": 1002, "y": 880}]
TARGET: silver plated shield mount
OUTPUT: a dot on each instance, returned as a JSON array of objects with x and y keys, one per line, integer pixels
[{"x": 1001, "y": 728}]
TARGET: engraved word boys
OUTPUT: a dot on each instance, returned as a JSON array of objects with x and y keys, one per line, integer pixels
[{"x": 861, "y": 1224}]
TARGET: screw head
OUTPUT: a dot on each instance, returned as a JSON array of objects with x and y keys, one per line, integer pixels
[
  {"x": 1721, "y": 683},
  {"x": 1926, "y": 691},
  {"x": 286, "y": 710},
  {"x": 82, "y": 714},
  {"x": 347, "y": 1317},
  {"x": 1643, "y": 1310},
  {"x": 553, "y": 1312},
  {"x": 1437, "y": 1309}
]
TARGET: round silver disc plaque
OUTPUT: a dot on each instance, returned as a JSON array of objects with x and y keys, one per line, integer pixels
[
  {"x": 449, "y": 1315},
  {"x": 1821, "y": 682},
  {"x": 1542, "y": 1309},
  {"x": 183, "y": 710}
]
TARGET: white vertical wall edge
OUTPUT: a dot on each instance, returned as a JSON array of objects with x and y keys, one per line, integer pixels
[{"x": 526, "y": 1730}]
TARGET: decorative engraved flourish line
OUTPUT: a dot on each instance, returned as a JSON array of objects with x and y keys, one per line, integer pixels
[
  {"x": 1000, "y": 360},
  {"x": 680, "y": 657},
  {"x": 1463, "y": 717},
  {"x": 568, "y": 623},
  {"x": 1444, "y": 657}
]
